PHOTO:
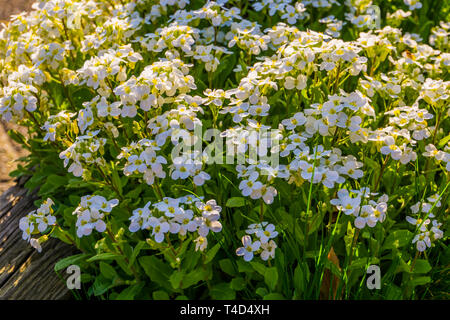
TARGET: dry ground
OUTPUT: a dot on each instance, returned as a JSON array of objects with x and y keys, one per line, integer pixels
[
  {"x": 9, "y": 151},
  {"x": 9, "y": 7}
]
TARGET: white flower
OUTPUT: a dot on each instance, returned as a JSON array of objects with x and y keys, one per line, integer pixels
[
  {"x": 45, "y": 221},
  {"x": 140, "y": 217},
  {"x": 135, "y": 164},
  {"x": 268, "y": 250},
  {"x": 205, "y": 224},
  {"x": 90, "y": 214},
  {"x": 291, "y": 14},
  {"x": 248, "y": 248},
  {"x": 76, "y": 169},
  {"x": 85, "y": 119},
  {"x": 419, "y": 222},
  {"x": 129, "y": 111},
  {"x": 210, "y": 209},
  {"x": 105, "y": 109},
  {"x": 255, "y": 227},
  {"x": 201, "y": 243},
  {"x": 346, "y": 203},
  {"x": 351, "y": 169},
  {"x": 435, "y": 198},
  {"x": 159, "y": 228},
  {"x": 380, "y": 210},
  {"x": 366, "y": 216},
  {"x": 84, "y": 225},
  {"x": 299, "y": 83},
  {"x": 413, "y": 4},
  {"x": 182, "y": 168},
  {"x": 431, "y": 151},
  {"x": 250, "y": 185},
  {"x": 186, "y": 223},
  {"x": 200, "y": 178},
  {"x": 268, "y": 194},
  {"x": 27, "y": 227},
  {"x": 391, "y": 148},
  {"x": 100, "y": 203},
  {"x": 267, "y": 234},
  {"x": 422, "y": 241},
  {"x": 35, "y": 244},
  {"x": 297, "y": 120},
  {"x": 170, "y": 207},
  {"x": 437, "y": 233}
]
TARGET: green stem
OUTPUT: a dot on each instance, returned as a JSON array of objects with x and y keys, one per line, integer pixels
[{"x": 381, "y": 173}]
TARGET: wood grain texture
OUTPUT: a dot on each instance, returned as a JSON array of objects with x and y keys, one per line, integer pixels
[{"x": 24, "y": 272}]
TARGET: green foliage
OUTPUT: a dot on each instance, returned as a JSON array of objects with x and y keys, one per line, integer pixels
[{"x": 319, "y": 250}]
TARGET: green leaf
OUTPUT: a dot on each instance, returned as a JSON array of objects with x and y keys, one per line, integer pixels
[
  {"x": 136, "y": 251},
  {"x": 84, "y": 277},
  {"x": 176, "y": 278},
  {"x": 190, "y": 260},
  {"x": 130, "y": 292},
  {"x": 271, "y": 278},
  {"x": 274, "y": 296},
  {"x": 104, "y": 256},
  {"x": 160, "y": 295},
  {"x": 420, "y": 281},
  {"x": 193, "y": 277},
  {"x": 362, "y": 262},
  {"x": 235, "y": 202},
  {"x": 134, "y": 194},
  {"x": 123, "y": 265},
  {"x": 259, "y": 267},
  {"x": 443, "y": 142},
  {"x": 52, "y": 183},
  {"x": 393, "y": 292},
  {"x": 238, "y": 284},
  {"x": 81, "y": 95},
  {"x": 212, "y": 252},
  {"x": 156, "y": 270},
  {"x": 64, "y": 263},
  {"x": 261, "y": 292},
  {"x": 222, "y": 291},
  {"x": 244, "y": 266},
  {"x": 101, "y": 285},
  {"x": 422, "y": 266},
  {"x": 299, "y": 279},
  {"x": 317, "y": 221},
  {"x": 227, "y": 266},
  {"x": 17, "y": 136},
  {"x": 107, "y": 271},
  {"x": 116, "y": 181},
  {"x": 397, "y": 239},
  {"x": 61, "y": 234}
]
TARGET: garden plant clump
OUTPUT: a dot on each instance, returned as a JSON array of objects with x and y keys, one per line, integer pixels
[{"x": 270, "y": 149}]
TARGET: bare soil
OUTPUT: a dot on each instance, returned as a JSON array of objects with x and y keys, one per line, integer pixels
[{"x": 9, "y": 7}]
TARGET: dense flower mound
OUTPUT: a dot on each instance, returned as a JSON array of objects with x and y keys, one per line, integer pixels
[{"x": 236, "y": 149}]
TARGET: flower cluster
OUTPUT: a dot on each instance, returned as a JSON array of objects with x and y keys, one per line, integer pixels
[
  {"x": 178, "y": 216},
  {"x": 428, "y": 233},
  {"x": 91, "y": 213},
  {"x": 267, "y": 106},
  {"x": 358, "y": 204},
  {"x": 265, "y": 245},
  {"x": 37, "y": 221}
]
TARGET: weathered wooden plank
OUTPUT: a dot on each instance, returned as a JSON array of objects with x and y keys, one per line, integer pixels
[{"x": 24, "y": 272}]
